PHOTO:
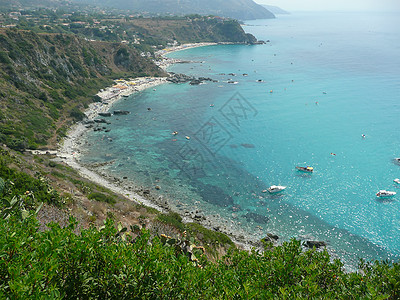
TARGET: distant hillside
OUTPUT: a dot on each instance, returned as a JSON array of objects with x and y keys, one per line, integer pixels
[
  {"x": 237, "y": 9},
  {"x": 47, "y": 80},
  {"x": 24, "y": 4},
  {"x": 276, "y": 10},
  {"x": 190, "y": 30}
]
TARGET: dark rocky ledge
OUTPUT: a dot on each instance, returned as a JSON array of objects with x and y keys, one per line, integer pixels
[{"x": 183, "y": 78}]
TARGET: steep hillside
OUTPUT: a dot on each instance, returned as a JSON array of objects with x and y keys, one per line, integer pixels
[
  {"x": 276, "y": 10},
  {"x": 191, "y": 29},
  {"x": 237, "y": 9},
  {"x": 46, "y": 80}
]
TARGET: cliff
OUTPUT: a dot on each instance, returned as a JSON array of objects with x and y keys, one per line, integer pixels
[{"x": 192, "y": 29}]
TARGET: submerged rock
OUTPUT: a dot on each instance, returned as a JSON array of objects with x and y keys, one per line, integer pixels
[
  {"x": 249, "y": 146},
  {"x": 215, "y": 195},
  {"x": 256, "y": 218}
]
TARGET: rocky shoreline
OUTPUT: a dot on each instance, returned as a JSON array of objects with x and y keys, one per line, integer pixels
[{"x": 69, "y": 153}]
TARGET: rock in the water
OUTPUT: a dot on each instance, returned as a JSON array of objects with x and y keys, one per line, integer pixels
[
  {"x": 249, "y": 146},
  {"x": 121, "y": 112},
  {"x": 273, "y": 236},
  {"x": 105, "y": 114},
  {"x": 195, "y": 82},
  {"x": 316, "y": 244}
]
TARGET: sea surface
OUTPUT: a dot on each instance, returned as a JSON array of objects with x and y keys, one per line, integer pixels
[{"x": 305, "y": 98}]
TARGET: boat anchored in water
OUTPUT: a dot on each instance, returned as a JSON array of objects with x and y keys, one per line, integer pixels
[
  {"x": 397, "y": 180},
  {"x": 273, "y": 189},
  {"x": 385, "y": 194},
  {"x": 305, "y": 169}
]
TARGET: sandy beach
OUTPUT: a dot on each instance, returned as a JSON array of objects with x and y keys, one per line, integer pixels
[{"x": 164, "y": 62}]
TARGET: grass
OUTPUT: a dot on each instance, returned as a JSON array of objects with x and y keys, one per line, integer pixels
[{"x": 101, "y": 198}]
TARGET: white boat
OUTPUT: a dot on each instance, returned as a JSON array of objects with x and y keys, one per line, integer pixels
[
  {"x": 397, "y": 180},
  {"x": 384, "y": 193},
  {"x": 273, "y": 189},
  {"x": 397, "y": 159}
]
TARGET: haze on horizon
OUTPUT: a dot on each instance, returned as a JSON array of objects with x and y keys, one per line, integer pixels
[{"x": 338, "y": 5}]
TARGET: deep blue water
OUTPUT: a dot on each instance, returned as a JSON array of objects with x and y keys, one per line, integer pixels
[{"x": 326, "y": 79}]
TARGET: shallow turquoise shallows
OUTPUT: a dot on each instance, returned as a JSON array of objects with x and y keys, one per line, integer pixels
[{"x": 305, "y": 98}]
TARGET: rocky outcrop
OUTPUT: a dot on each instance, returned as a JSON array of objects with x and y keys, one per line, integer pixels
[
  {"x": 121, "y": 112},
  {"x": 182, "y": 78}
]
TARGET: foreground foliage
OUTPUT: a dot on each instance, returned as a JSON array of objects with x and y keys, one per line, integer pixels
[
  {"x": 120, "y": 263},
  {"x": 113, "y": 263}
]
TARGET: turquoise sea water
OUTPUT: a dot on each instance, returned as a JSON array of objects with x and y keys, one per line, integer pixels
[{"x": 320, "y": 82}]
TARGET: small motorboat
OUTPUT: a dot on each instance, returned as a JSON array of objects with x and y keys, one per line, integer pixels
[
  {"x": 273, "y": 189},
  {"x": 305, "y": 169},
  {"x": 397, "y": 180},
  {"x": 397, "y": 159},
  {"x": 385, "y": 194}
]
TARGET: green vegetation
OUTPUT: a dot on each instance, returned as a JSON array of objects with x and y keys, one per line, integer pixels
[
  {"x": 101, "y": 198},
  {"x": 34, "y": 189},
  {"x": 47, "y": 80},
  {"x": 117, "y": 263},
  {"x": 211, "y": 240},
  {"x": 209, "y": 237},
  {"x": 173, "y": 219}
]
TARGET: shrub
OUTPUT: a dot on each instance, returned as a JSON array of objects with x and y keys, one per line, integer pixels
[
  {"x": 101, "y": 197},
  {"x": 173, "y": 219},
  {"x": 76, "y": 114},
  {"x": 208, "y": 236},
  {"x": 115, "y": 263}
]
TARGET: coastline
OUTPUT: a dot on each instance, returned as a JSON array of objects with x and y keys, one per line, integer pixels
[
  {"x": 69, "y": 149},
  {"x": 165, "y": 62}
]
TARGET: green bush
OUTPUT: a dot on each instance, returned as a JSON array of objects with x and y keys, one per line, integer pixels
[
  {"x": 20, "y": 183},
  {"x": 4, "y": 58},
  {"x": 173, "y": 219},
  {"x": 101, "y": 198},
  {"x": 2, "y": 184},
  {"x": 208, "y": 236},
  {"x": 111, "y": 263},
  {"x": 76, "y": 114}
]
